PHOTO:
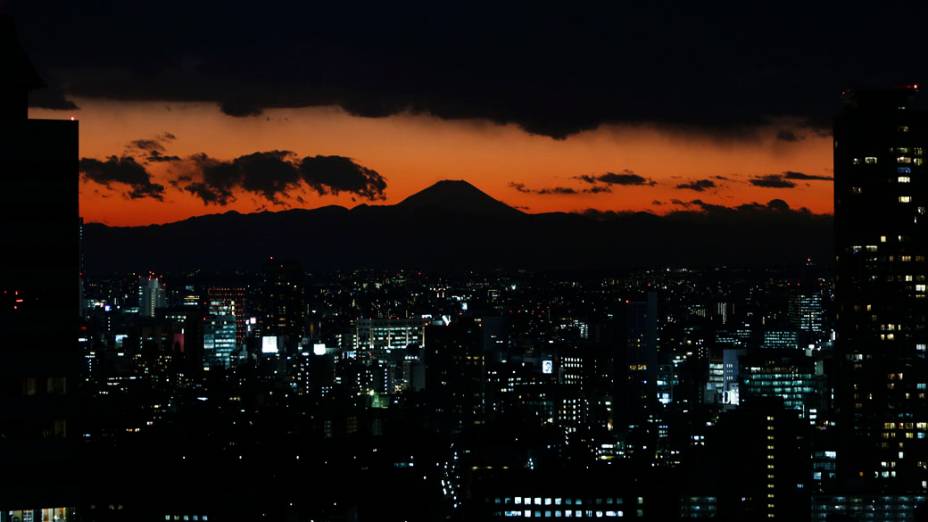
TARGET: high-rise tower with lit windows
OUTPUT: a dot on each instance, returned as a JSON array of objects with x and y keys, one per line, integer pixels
[{"x": 881, "y": 242}]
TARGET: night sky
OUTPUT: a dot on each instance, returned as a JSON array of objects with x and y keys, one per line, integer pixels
[{"x": 189, "y": 108}]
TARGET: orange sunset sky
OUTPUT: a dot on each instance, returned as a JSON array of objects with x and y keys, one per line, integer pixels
[{"x": 412, "y": 152}]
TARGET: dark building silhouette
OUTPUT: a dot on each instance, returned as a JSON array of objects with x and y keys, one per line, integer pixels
[
  {"x": 755, "y": 466},
  {"x": 881, "y": 240},
  {"x": 456, "y": 373},
  {"x": 283, "y": 304},
  {"x": 39, "y": 288}
]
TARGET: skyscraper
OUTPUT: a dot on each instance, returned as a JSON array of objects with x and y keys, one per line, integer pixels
[
  {"x": 282, "y": 305},
  {"x": 229, "y": 300},
  {"x": 881, "y": 243},
  {"x": 223, "y": 332},
  {"x": 151, "y": 295},
  {"x": 38, "y": 290}
]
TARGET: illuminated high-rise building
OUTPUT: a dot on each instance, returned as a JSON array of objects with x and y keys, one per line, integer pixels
[
  {"x": 151, "y": 295},
  {"x": 230, "y": 300},
  {"x": 786, "y": 375},
  {"x": 220, "y": 333},
  {"x": 881, "y": 243}
]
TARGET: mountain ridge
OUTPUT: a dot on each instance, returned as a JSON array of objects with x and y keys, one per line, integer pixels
[{"x": 454, "y": 225}]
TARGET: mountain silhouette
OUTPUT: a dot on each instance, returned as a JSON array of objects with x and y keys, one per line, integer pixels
[
  {"x": 458, "y": 196},
  {"x": 453, "y": 225}
]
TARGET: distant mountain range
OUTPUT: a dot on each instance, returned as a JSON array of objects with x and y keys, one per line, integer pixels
[{"x": 453, "y": 225}]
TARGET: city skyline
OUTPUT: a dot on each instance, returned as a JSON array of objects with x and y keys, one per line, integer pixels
[{"x": 589, "y": 268}]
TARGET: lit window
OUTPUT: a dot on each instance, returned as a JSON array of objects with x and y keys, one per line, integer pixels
[
  {"x": 904, "y": 179},
  {"x": 870, "y": 160},
  {"x": 905, "y": 199}
]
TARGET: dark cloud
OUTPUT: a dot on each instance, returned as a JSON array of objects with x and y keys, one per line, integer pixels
[
  {"x": 152, "y": 150},
  {"x": 274, "y": 174},
  {"x": 51, "y": 98},
  {"x": 789, "y": 136},
  {"x": 147, "y": 145},
  {"x": 209, "y": 195},
  {"x": 626, "y": 177},
  {"x": 771, "y": 181},
  {"x": 240, "y": 108},
  {"x": 541, "y": 69},
  {"x": 699, "y": 185},
  {"x": 122, "y": 170},
  {"x": 790, "y": 174},
  {"x": 336, "y": 174},
  {"x": 772, "y": 207},
  {"x": 268, "y": 173},
  {"x": 157, "y": 157},
  {"x": 547, "y": 191},
  {"x": 560, "y": 191}
]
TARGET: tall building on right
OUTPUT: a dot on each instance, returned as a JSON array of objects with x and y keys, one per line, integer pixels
[{"x": 881, "y": 245}]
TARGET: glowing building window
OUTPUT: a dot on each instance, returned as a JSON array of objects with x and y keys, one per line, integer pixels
[
  {"x": 905, "y": 199},
  {"x": 904, "y": 179},
  {"x": 870, "y": 160}
]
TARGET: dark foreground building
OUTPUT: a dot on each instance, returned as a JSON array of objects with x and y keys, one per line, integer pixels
[
  {"x": 39, "y": 295},
  {"x": 881, "y": 232}
]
